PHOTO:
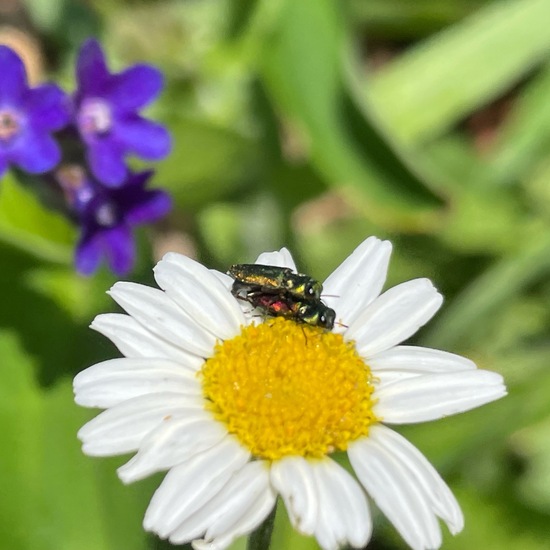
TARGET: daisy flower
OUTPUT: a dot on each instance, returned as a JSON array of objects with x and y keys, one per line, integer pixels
[{"x": 241, "y": 409}]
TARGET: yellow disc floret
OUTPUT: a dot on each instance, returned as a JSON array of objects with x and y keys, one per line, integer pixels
[{"x": 285, "y": 388}]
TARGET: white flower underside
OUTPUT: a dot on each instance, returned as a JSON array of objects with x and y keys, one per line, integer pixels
[{"x": 213, "y": 492}]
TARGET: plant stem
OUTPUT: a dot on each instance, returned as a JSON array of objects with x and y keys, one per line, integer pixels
[{"x": 260, "y": 539}]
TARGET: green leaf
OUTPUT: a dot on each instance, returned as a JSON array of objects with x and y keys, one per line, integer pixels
[
  {"x": 486, "y": 221},
  {"x": 538, "y": 190},
  {"x": 433, "y": 85},
  {"x": 81, "y": 297},
  {"x": 179, "y": 37},
  {"x": 208, "y": 162},
  {"x": 463, "y": 321},
  {"x": 524, "y": 140},
  {"x": 496, "y": 521},
  {"x": 455, "y": 166},
  {"x": 303, "y": 68},
  {"x": 51, "y": 327},
  {"x": 234, "y": 232},
  {"x": 53, "y": 497},
  {"x": 25, "y": 223},
  {"x": 399, "y": 19},
  {"x": 286, "y": 537},
  {"x": 534, "y": 485}
]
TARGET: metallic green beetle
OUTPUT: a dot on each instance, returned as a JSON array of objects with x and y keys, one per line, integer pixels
[
  {"x": 270, "y": 279},
  {"x": 311, "y": 313}
]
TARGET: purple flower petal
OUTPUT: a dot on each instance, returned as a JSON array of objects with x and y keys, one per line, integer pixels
[
  {"x": 134, "y": 88},
  {"x": 119, "y": 248},
  {"x": 138, "y": 180},
  {"x": 106, "y": 162},
  {"x": 13, "y": 79},
  {"x": 88, "y": 253},
  {"x": 144, "y": 138},
  {"x": 35, "y": 152},
  {"x": 155, "y": 206},
  {"x": 106, "y": 219},
  {"x": 48, "y": 107},
  {"x": 3, "y": 164},
  {"x": 91, "y": 70},
  {"x": 107, "y": 118}
]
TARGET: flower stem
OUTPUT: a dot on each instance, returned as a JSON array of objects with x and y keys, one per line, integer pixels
[{"x": 261, "y": 538}]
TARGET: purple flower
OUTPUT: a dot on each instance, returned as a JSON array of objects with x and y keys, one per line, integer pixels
[
  {"x": 27, "y": 118},
  {"x": 107, "y": 215},
  {"x": 106, "y": 114}
]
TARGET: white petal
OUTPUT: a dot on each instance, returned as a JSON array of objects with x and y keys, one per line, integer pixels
[
  {"x": 135, "y": 340},
  {"x": 247, "y": 310},
  {"x": 109, "y": 383},
  {"x": 220, "y": 543},
  {"x": 282, "y": 258},
  {"x": 121, "y": 429},
  {"x": 293, "y": 478},
  {"x": 442, "y": 500},
  {"x": 250, "y": 521},
  {"x": 358, "y": 280},
  {"x": 189, "y": 486},
  {"x": 398, "y": 495},
  {"x": 174, "y": 441},
  {"x": 344, "y": 515},
  {"x": 161, "y": 315},
  {"x": 253, "y": 316},
  {"x": 420, "y": 360},
  {"x": 200, "y": 294},
  {"x": 403, "y": 362},
  {"x": 251, "y": 492},
  {"x": 384, "y": 378},
  {"x": 394, "y": 316},
  {"x": 434, "y": 396},
  {"x": 225, "y": 511},
  {"x": 224, "y": 278}
]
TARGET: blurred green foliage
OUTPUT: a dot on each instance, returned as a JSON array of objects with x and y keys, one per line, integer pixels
[{"x": 310, "y": 124}]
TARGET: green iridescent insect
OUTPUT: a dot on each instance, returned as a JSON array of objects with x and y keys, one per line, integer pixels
[
  {"x": 275, "y": 280},
  {"x": 315, "y": 314},
  {"x": 280, "y": 292}
]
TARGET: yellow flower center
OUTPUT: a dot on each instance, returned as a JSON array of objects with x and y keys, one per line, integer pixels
[{"x": 289, "y": 389}]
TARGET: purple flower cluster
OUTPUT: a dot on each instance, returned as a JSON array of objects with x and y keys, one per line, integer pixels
[
  {"x": 108, "y": 214},
  {"x": 106, "y": 114},
  {"x": 102, "y": 116},
  {"x": 28, "y": 116}
]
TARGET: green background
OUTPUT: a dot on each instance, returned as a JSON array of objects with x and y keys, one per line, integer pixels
[{"x": 310, "y": 124}]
